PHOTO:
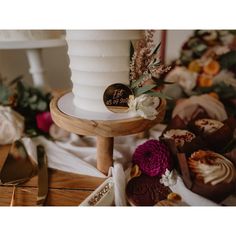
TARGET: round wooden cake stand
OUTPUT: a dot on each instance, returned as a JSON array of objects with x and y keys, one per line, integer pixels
[{"x": 104, "y": 130}]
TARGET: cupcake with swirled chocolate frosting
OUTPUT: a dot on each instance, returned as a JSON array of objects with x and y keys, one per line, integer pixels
[
  {"x": 213, "y": 175},
  {"x": 211, "y": 167}
]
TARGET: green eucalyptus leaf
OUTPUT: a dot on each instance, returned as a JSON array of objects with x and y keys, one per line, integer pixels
[
  {"x": 157, "y": 63},
  {"x": 156, "y": 49},
  {"x": 200, "y": 47},
  {"x": 154, "y": 63},
  {"x": 4, "y": 94},
  {"x": 144, "y": 89},
  {"x": 16, "y": 80},
  {"x": 158, "y": 94},
  {"x": 135, "y": 83}
]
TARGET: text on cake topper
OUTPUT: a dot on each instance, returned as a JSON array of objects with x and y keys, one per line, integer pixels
[{"x": 116, "y": 97}]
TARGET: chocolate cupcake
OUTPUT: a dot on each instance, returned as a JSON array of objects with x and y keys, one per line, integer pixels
[
  {"x": 145, "y": 190},
  {"x": 216, "y": 134},
  {"x": 207, "y": 126},
  {"x": 179, "y": 136},
  {"x": 208, "y": 174}
]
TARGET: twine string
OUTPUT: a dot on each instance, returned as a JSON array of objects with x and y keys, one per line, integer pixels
[{"x": 13, "y": 196}]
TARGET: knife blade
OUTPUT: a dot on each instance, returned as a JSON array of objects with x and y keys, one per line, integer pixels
[
  {"x": 42, "y": 175},
  {"x": 18, "y": 166}
]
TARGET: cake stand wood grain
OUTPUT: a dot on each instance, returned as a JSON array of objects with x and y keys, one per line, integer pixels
[{"x": 104, "y": 130}]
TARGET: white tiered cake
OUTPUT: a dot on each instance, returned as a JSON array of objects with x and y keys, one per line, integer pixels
[{"x": 98, "y": 58}]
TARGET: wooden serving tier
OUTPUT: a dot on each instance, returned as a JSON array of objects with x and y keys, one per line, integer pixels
[{"x": 105, "y": 129}]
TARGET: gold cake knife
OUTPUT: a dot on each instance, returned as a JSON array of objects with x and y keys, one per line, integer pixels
[{"x": 42, "y": 176}]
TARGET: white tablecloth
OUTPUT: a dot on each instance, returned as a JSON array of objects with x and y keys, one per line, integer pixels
[{"x": 78, "y": 155}]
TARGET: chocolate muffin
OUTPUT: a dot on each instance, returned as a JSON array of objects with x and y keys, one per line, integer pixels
[{"x": 145, "y": 190}]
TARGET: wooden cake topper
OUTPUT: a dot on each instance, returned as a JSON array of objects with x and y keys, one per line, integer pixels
[{"x": 116, "y": 97}]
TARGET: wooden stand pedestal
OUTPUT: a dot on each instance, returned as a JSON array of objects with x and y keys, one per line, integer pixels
[
  {"x": 104, "y": 130},
  {"x": 33, "y": 50}
]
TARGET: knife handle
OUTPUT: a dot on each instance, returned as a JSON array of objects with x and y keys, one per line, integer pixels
[
  {"x": 42, "y": 175},
  {"x": 41, "y": 156}
]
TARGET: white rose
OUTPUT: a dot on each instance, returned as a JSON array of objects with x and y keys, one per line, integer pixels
[
  {"x": 11, "y": 125},
  {"x": 145, "y": 106},
  {"x": 185, "y": 78}
]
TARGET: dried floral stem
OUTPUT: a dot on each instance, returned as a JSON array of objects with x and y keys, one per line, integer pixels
[{"x": 145, "y": 66}]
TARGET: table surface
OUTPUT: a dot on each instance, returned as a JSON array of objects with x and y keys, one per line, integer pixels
[{"x": 65, "y": 189}]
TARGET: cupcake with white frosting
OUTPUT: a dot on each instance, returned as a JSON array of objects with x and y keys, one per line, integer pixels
[
  {"x": 211, "y": 168},
  {"x": 212, "y": 175}
]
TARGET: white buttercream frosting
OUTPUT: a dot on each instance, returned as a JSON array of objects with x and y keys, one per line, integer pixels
[
  {"x": 98, "y": 58},
  {"x": 211, "y": 167},
  {"x": 208, "y": 126},
  {"x": 179, "y": 136}
]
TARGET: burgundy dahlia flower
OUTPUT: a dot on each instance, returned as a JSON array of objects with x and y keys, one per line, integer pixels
[{"x": 153, "y": 158}]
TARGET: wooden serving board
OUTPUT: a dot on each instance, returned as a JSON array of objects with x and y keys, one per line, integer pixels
[{"x": 65, "y": 189}]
